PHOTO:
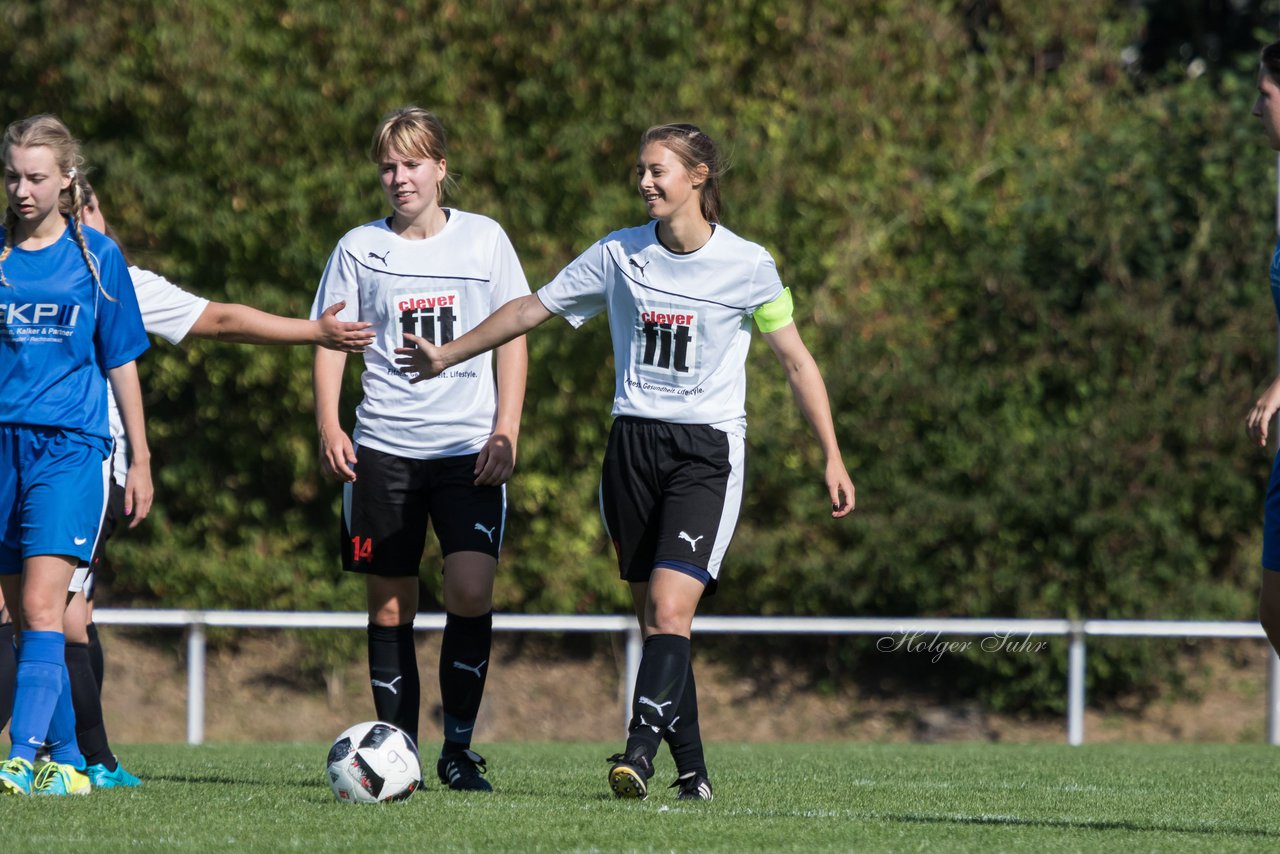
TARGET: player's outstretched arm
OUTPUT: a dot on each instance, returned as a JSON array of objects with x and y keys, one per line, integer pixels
[
  {"x": 1258, "y": 421},
  {"x": 138, "y": 488},
  {"x": 242, "y": 324},
  {"x": 510, "y": 321},
  {"x": 337, "y": 454},
  {"x": 811, "y": 396}
]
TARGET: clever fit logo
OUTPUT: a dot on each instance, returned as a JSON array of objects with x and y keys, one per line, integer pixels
[
  {"x": 666, "y": 339},
  {"x": 430, "y": 316}
]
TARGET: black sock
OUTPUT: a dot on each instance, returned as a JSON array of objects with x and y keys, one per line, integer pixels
[
  {"x": 393, "y": 673},
  {"x": 464, "y": 665},
  {"x": 8, "y": 673},
  {"x": 664, "y": 666},
  {"x": 95, "y": 655},
  {"x": 91, "y": 731},
  {"x": 682, "y": 735}
]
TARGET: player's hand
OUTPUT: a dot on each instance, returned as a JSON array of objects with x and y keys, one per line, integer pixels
[
  {"x": 424, "y": 359},
  {"x": 337, "y": 455},
  {"x": 1258, "y": 421},
  {"x": 138, "y": 492},
  {"x": 840, "y": 487},
  {"x": 496, "y": 462},
  {"x": 348, "y": 337}
]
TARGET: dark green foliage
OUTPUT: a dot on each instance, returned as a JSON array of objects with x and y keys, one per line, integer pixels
[{"x": 1037, "y": 291}]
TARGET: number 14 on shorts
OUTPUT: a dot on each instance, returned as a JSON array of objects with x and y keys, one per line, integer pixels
[{"x": 362, "y": 549}]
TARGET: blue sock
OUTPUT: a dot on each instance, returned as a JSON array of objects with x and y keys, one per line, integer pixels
[
  {"x": 63, "y": 745},
  {"x": 41, "y": 670}
]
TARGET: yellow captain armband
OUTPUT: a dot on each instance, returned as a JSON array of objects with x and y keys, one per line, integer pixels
[{"x": 772, "y": 316}]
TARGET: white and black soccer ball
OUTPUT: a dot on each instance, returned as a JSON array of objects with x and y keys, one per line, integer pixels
[{"x": 373, "y": 762}]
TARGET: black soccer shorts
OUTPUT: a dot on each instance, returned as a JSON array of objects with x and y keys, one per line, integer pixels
[
  {"x": 670, "y": 495},
  {"x": 385, "y": 512}
]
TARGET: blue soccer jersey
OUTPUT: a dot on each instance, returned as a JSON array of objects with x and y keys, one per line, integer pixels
[
  {"x": 1275, "y": 277},
  {"x": 59, "y": 334}
]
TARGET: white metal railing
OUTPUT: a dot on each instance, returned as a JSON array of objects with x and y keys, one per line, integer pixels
[{"x": 914, "y": 634}]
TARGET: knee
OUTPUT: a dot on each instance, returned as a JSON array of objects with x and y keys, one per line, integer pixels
[
  {"x": 388, "y": 614},
  {"x": 40, "y": 616},
  {"x": 468, "y": 589},
  {"x": 469, "y": 602},
  {"x": 669, "y": 618}
]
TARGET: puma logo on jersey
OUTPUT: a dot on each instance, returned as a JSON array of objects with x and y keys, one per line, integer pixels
[
  {"x": 634, "y": 263},
  {"x": 693, "y": 544},
  {"x": 488, "y": 532},
  {"x": 390, "y": 686},
  {"x": 658, "y": 707},
  {"x": 382, "y": 257},
  {"x": 476, "y": 670}
]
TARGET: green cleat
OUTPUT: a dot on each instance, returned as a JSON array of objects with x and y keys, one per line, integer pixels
[
  {"x": 16, "y": 777},
  {"x": 56, "y": 778}
]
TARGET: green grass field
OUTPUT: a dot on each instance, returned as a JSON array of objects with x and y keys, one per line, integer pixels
[{"x": 777, "y": 797}]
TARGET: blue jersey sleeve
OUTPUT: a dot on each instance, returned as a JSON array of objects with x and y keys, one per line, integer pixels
[{"x": 120, "y": 336}]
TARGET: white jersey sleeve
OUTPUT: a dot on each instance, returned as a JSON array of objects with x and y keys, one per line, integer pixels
[
  {"x": 339, "y": 283},
  {"x": 167, "y": 311},
  {"x": 766, "y": 284},
  {"x": 579, "y": 292},
  {"x": 509, "y": 281}
]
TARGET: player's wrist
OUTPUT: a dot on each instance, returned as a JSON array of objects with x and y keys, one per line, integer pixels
[{"x": 447, "y": 353}]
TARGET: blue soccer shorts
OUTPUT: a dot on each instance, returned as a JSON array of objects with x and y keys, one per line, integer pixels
[{"x": 53, "y": 488}]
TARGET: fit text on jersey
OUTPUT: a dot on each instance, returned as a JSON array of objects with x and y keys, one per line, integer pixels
[
  {"x": 666, "y": 339},
  {"x": 431, "y": 316}
]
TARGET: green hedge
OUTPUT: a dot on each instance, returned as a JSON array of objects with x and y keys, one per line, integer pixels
[{"x": 1037, "y": 290}]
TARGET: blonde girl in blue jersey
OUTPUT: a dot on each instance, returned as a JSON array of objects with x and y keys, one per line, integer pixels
[
  {"x": 681, "y": 294},
  {"x": 174, "y": 314},
  {"x": 68, "y": 321}
]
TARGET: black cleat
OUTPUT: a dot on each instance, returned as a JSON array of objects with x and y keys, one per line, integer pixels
[
  {"x": 693, "y": 786},
  {"x": 629, "y": 776},
  {"x": 462, "y": 772}
]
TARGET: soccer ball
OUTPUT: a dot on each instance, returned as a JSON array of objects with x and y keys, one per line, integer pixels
[{"x": 373, "y": 762}]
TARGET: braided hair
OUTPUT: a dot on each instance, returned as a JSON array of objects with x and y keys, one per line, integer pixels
[{"x": 49, "y": 131}]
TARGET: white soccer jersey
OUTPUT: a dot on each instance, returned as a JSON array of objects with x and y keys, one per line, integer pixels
[
  {"x": 167, "y": 311},
  {"x": 438, "y": 288},
  {"x": 681, "y": 323}
]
